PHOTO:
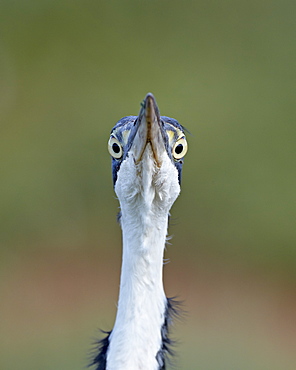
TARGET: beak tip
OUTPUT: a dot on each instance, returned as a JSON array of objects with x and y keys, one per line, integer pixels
[
  {"x": 150, "y": 100},
  {"x": 149, "y": 96},
  {"x": 150, "y": 106}
]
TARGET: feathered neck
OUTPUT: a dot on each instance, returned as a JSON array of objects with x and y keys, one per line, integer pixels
[
  {"x": 136, "y": 336},
  {"x": 146, "y": 196}
]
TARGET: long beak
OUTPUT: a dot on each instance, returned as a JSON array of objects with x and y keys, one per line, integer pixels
[{"x": 149, "y": 130}]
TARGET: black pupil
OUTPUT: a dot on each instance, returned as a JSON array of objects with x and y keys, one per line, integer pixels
[
  {"x": 115, "y": 148},
  {"x": 179, "y": 149}
]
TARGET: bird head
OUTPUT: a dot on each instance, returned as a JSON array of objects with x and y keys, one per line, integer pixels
[{"x": 147, "y": 151}]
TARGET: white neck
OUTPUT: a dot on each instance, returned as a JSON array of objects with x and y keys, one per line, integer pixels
[{"x": 136, "y": 337}]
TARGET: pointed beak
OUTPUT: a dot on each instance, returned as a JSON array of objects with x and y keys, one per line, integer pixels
[{"x": 149, "y": 130}]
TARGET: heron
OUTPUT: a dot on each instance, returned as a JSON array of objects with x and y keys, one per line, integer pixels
[{"x": 147, "y": 156}]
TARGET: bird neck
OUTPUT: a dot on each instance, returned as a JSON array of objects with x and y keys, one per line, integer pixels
[
  {"x": 146, "y": 194},
  {"x": 136, "y": 337}
]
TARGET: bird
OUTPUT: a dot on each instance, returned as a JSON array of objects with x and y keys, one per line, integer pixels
[{"x": 147, "y": 154}]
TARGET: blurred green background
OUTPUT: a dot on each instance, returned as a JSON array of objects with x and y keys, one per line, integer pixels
[{"x": 226, "y": 70}]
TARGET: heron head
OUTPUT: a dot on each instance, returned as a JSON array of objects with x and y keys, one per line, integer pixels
[{"x": 148, "y": 136}]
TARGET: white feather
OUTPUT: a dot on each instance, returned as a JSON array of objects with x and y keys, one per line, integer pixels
[{"x": 146, "y": 194}]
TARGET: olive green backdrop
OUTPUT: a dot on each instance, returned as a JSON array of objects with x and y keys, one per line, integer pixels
[{"x": 226, "y": 70}]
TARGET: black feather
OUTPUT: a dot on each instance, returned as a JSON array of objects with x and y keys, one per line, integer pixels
[
  {"x": 166, "y": 352},
  {"x": 101, "y": 359}
]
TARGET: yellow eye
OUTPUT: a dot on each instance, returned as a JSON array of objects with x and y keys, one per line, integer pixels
[
  {"x": 115, "y": 148},
  {"x": 180, "y": 148}
]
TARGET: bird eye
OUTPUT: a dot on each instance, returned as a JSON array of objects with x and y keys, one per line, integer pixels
[
  {"x": 180, "y": 148},
  {"x": 115, "y": 148}
]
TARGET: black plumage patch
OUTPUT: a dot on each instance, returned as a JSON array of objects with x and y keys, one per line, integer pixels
[
  {"x": 118, "y": 217},
  {"x": 100, "y": 361},
  {"x": 166, "y": 352}
]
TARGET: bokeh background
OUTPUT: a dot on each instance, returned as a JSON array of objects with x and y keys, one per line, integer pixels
[{"x": 226, "y": 70}]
